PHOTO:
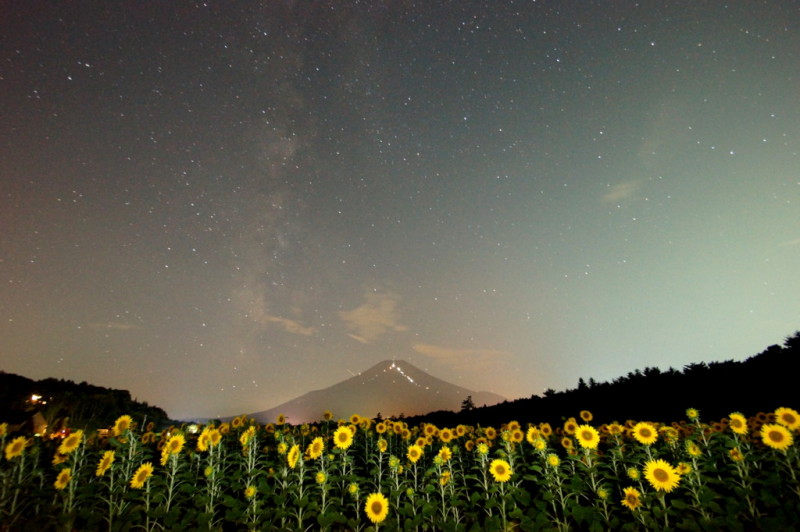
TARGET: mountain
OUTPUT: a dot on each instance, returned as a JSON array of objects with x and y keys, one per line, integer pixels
[{"x": 391, "y": 388}]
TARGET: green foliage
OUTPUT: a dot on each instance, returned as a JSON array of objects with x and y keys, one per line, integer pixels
[{"x": 247, "y": 482}]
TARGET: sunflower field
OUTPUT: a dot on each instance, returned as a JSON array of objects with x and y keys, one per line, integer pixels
[{"x": 738, "y": 473}]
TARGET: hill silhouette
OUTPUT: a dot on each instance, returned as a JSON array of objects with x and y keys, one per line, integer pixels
[{"x": 59, "y": 403}]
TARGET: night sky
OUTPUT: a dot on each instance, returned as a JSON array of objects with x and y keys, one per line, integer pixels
[{"x": 221, "y": 206}]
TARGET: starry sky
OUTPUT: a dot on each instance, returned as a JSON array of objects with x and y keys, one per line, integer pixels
[{"x": 220, "y": 206}]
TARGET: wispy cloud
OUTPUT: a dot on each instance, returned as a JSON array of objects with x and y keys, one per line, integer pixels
[
  {"x": 621, "y": 191},
  {"x": 117, "y": 326},
  {"x": 374, "y": 318},
  {"x": 453, "y": 353},
  {"x": 257, "y": 311},
  {"x": 290, "y": 326},
  {"x": 473, "y": 361}
]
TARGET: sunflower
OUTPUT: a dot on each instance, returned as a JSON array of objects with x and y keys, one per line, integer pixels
[
  {"x": 204, "y": 440},
  {"x": 414, "y": 453},
  {"x": 71, "y": 442},
  {"x": 615, "y": 429},
  {"x": 776, "y": 436},
  {"x": 553, "y": 460},
  {"x": 293, "y": 456},
  {"x": 376, "y": 507},
  {"x": 249, "y": 492},
  {"x": 3, "y": 430},
  {"x": 693, "y": 414},
  {"x": 141, "y": 475},
  {"x": 352, "y": 489},
  {"x": 445, "y": 435},
  {"x": 516, "y": 436},
  {"x": 788, "y": 417},
  {"x": 738, "y": 423},
  {"x": 546, "y": 429},
  {"x": 59, "y": 459},
  {"x": 343, "y": 437},
  {"x": 316, "y": 448},
  {"x": 670, "y": 434},
  {"x": 175, "y": 444},
  {"x": 661, "y": 475},
  {"x": 320, "y": 478},
  {"x": 645, "y": 433},
  {"x": 683, "y": 468},
  {"x": 237, "y": 422},
  {"x": 327, "y": 415},
  {"x": 632, "y": 499},
  {"x": 490, "y": 433},
  {"x": 382, "y": 445},
  {"x": 570, "y": 426},
  {"x": 64, "y": 476},
  {"x": 587, "y": 436},
  {"x": 586, "y": 416},
  {"x": 736, "y": 455},
  {"x": 693, "y": 449},
  {"x": 281, "y": 420},
  {"x": 214, "y": 437},
  {"x": 566, "y": 442},
  {"x": 633, "y": 473},
  {"x": 105, "y": 463},
  {"x": 445, "y": 478},
  {"x": 539, "y": 444},
  {"x": 431, "y": 430},
  {"x": 380, "y": 427},
  {"x": 283, "y": 448},
  {"x": 247, "y": 435},
  {"x": 500, "y": 470},
  {"x": 445, "y": 453},
  {"x": 122, "y": 424},
  {"x": 532, "y": 434},
  {"x": 483, "y": 448}
]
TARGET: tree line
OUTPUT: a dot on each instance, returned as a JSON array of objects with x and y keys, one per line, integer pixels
[{"x": 760, "y": 383}]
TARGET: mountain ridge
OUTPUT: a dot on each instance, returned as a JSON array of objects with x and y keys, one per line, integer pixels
[{"x": 388, "y": 388}]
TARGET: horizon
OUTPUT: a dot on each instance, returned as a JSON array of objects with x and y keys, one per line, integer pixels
[{"x": 393, "y": 362}]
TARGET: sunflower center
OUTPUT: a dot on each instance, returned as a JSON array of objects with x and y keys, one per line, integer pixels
[
  {"x": 500, "y": 470},
  {"x": 586, "y": 435},
  {"x": 776, "y": 436},
  {"x": 789, "y": 419},
  {"x": 377, "y": 507},
  {"x": 660, "y": 475},
  {"x": 645, "y": 433}
]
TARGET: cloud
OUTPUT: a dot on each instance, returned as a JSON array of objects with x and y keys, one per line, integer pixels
[
  {"x": 288, "y": 325},
  {"x": 470, "y": 361},
  {"x": 255, "y": 307},
  {"x": 621, "y": 191},
  {"x": 376, "y": 317},
  {"x": 117, "y": 326},
  {"x": 447, "y": 354}
]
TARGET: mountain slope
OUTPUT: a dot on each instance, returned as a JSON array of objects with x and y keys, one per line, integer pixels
[{"x": 391, "y": 388}]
